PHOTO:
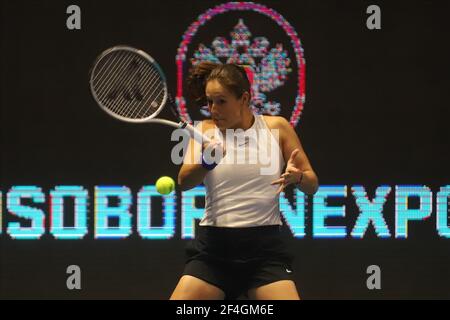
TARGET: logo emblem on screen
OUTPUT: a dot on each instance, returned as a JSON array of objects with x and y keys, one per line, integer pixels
[
  {"x": 267, "y": 66},
  {"x": 268, "y": 63}
]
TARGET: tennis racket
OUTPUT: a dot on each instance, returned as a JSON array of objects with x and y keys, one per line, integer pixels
[{"x": 130, "y": 86}]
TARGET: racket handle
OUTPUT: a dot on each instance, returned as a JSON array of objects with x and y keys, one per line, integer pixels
[{"x": 196, "y": 134}]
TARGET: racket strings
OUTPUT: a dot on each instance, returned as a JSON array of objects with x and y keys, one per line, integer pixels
[
  {"x": 153, "y": 89},
  {"x": 128, "y": 85},
  {"x": 130, "y": 91},
  {"x": 109, "y": 75}
]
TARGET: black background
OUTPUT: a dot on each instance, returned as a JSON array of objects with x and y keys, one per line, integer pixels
[{"x": 376, "y": 112}]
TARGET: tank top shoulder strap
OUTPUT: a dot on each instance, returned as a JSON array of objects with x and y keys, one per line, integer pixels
[{"x": 262, "y": 122}]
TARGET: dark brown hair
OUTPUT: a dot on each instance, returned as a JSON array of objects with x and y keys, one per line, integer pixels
[{"x": 231, "y": 76}]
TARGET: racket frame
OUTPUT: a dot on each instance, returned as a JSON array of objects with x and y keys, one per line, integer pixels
[{"x": 196, "y": 134}]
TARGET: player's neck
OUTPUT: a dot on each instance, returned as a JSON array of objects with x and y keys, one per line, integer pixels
[{"x": 247, "y": 120}]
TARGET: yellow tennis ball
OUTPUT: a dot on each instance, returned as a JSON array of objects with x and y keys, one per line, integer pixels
[{"x": 165, "y": 185}]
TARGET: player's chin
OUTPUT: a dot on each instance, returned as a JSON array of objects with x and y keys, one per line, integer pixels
[{"x": 220, "y": 123}]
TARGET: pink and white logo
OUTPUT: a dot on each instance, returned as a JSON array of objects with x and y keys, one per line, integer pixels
[{"x": 268, "y": 66}]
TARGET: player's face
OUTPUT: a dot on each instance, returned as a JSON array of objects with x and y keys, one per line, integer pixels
[{"x": 226, "y": 110}]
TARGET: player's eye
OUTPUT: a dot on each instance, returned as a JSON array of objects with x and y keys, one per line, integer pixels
[{"x": 220, "y": 101}]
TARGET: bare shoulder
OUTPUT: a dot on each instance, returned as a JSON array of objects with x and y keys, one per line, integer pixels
[{"x": 276, "y": 122}]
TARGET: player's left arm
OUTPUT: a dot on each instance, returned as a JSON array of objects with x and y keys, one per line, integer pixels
[{"x": 298, "y": 167}]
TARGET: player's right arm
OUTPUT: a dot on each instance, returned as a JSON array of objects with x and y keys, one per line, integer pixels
[{"x": 192, "y": 172}]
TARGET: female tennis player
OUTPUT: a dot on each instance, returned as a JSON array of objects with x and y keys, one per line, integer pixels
[{"x": 238, "y": 247}]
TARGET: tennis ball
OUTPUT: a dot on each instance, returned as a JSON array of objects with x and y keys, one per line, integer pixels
[{"x": 165, "y": 185}]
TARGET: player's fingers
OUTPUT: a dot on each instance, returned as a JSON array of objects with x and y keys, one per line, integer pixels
[
  {"x": 215, "y": 149},
  {"x": 213, "y": 142},
  {"x": 278, "y": 181}
]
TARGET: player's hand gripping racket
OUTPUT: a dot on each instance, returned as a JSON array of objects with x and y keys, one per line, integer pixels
[{"x": 130, "y": 86}]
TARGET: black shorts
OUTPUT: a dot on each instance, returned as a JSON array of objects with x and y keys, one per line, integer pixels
[{"x": 238, "y": 259}]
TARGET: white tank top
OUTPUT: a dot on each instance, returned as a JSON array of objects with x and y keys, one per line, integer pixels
[{"x": 238, "y": 194}]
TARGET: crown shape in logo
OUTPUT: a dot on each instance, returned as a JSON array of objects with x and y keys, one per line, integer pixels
[{"x": 269, "y": 67}]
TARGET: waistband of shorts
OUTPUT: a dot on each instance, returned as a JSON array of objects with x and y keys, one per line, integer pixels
[{"x": 229, "y": 231}]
